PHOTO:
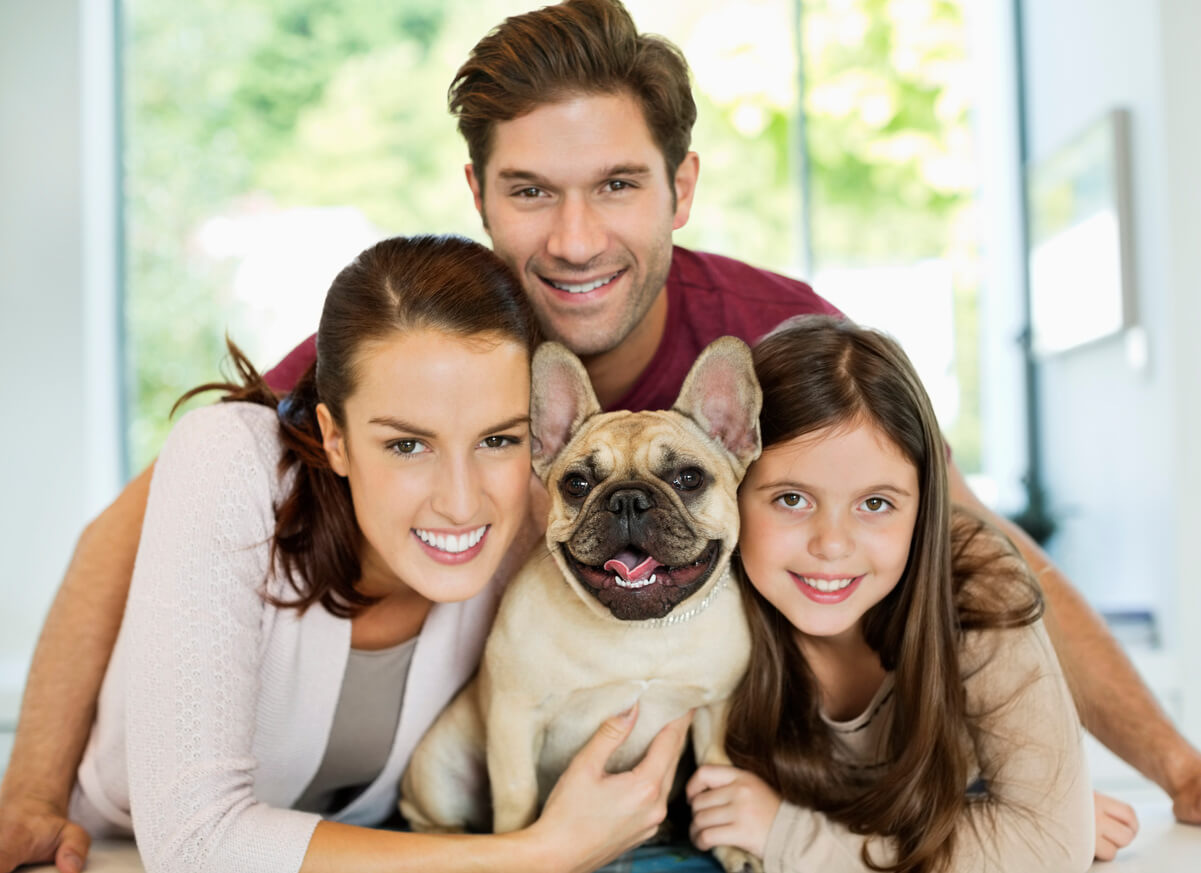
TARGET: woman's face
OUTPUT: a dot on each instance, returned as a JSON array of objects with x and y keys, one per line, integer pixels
[
  {"x": 827, "y": 520},
  {"x": 436, "y": 448}
]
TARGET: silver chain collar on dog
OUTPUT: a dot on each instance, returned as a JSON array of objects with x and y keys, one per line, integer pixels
[{"x": 677, "y": 617}]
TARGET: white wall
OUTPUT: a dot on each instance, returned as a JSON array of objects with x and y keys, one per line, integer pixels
[
  {"x": 1119, "y": 440},
  {"x": 58, "y": 442}
]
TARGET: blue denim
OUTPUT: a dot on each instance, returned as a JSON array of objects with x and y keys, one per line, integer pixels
[{"x": 670, "y": 858}]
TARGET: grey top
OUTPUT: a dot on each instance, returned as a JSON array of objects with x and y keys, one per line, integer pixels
[{"x": 364, "y": 727}]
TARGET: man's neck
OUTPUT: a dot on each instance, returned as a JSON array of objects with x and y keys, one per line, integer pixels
[{"x": 613, "y": 373}]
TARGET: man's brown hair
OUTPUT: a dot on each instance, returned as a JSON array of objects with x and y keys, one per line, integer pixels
[{"x": 575, "y": 47}]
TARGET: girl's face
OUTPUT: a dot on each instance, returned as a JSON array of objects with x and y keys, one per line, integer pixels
[
  {"x": 827, "y": 519},
  {"x": 436, "y": 448}
]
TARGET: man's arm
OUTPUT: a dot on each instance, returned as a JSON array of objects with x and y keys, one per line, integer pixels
[
  {"x": 1114, "y": 704},
  {"x": 64, "y": 683}
]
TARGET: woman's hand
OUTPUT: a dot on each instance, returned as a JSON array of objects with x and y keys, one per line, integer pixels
[
  {"x": 592, "y": 816},
  {"x": 1116, "y": 825},
  {"x": 730, "y": 807}
]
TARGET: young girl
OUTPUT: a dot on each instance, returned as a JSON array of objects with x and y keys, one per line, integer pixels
[
  {"x": 903, "y": 709},
  {"x": 314, "y": 582}
]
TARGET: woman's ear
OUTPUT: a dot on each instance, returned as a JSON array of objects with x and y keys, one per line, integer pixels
[{"x": 333, "y": 441}]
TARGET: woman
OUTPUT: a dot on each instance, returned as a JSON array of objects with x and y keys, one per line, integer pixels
[{"x": 313, "y": 585}]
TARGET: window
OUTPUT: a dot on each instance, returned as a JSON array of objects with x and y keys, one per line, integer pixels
[{"x": 267, "y": 143}]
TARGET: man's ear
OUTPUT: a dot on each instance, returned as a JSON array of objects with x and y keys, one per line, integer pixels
[
  {"x": 561, "y": 400},
  {"x": 476, "y": 184},
  {"x": 685, "y": 188},
  {"x": 333, "y": 441}
]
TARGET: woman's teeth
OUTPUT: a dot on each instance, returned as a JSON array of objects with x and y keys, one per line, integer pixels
[
  {"x": 828, "y": 585},
  {"x": 452, "y": 543}
]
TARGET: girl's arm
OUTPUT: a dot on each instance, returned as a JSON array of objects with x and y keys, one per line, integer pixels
[{"x": 1038, "y": 813}]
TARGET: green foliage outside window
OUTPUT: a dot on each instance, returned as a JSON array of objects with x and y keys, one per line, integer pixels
[{"x": 323, "y": 103}]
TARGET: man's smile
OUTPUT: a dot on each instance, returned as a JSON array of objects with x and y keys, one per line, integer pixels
[{"x": 585, "y": 286}]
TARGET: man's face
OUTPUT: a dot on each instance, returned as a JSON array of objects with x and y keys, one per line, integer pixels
[{"x": 576, "y": 198}]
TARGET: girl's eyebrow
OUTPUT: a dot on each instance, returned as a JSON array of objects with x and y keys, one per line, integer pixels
[{"x": 786, "y": 483}]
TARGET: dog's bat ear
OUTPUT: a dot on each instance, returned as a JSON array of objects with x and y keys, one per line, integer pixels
[
  {"x": 722, "y": 395},
  {"x": 561, "y": 399}
]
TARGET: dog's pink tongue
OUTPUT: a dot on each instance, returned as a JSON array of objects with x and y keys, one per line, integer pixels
[{"x": 621, "y": 566}]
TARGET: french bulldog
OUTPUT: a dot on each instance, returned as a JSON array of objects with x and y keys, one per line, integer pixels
[{"x": 631, "y": 600}]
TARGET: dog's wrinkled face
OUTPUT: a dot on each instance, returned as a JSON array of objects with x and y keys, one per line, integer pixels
[{"x": 644, "y": 510}]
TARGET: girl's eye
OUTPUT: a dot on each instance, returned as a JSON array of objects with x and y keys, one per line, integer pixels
[
  {"x": 876, "y": 504},
  {"x": 408, "y": 447},
  {"x": 499, "y": 441},
  {"x": 792, "y": 500}
]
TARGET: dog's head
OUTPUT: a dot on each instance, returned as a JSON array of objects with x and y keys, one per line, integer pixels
[{"x": 644, "y": 508}]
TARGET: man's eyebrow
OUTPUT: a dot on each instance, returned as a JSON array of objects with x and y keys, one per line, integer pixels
[
  {"x": 626, "y": 170},
  {"x": 521, "y": 176}
]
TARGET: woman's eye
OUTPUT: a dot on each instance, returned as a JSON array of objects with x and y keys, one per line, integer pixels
[
  {"x": 876, "y": 504},
  {"x": 499, "y": 442},
  {"x": 407, "y": 447}
]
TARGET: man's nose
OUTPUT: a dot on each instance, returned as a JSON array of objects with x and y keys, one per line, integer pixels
[{"x": 578, "y": 234}]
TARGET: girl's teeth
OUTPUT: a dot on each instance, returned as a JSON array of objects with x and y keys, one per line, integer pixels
[
  {"x": 828, "y": 585},
  {"x": 452, "y": 543}
]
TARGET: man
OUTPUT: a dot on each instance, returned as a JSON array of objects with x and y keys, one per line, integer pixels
[{"x": 578, "y": 131}]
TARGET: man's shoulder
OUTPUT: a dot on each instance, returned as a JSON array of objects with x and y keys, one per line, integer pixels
[{"x": 737, "y": 280}]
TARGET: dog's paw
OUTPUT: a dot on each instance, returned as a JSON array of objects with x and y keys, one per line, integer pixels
[{"x": 737, "y": 861}]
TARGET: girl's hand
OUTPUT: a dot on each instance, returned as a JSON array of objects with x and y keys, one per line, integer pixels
[
  {"x": 1116, "y": 825},
  {"x": 592, "y": 816},
  {"x": 730, "y": 807}
]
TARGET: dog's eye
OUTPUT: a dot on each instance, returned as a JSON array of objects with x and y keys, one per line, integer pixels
[
  {"x": 576, "y": 486},
  {"x": 688, "y": 479}
]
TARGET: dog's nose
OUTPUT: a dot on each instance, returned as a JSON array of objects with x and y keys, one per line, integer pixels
[{"x": 629, "y": 502}]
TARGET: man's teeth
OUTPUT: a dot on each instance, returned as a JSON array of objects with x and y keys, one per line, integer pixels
[
  {"x": 828, "y": 585},
  {"x": 635, "y": 583},
  {"x": 452, "y": 543},
  {"x": 581, "y": 288}
]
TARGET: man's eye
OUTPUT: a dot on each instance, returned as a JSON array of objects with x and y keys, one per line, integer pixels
[
  {"x": 618, "y": 185},
  {"x": 528, "y": 192}
]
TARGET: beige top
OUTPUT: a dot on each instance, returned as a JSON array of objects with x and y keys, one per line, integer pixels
[{"x": 1037, "y": 811}]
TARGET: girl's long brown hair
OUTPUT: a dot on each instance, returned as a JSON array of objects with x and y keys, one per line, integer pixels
[
  {"x": 818, "y": 372},
  {"x": 442, "y": 283}
]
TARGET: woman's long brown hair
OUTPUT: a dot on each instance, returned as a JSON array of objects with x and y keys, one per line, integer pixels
[
  {"x": 818, "y": 372},
  {"x": 443, "y": 283}
]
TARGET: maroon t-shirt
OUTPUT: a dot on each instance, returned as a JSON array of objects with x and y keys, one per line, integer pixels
[{"x": 708, "y": 296}]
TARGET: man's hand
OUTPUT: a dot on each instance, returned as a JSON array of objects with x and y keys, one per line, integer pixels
[
  {"x": 1116, "y": 825},
  {"x": 730, "y": 807},
  {"x": 1185, "y": 790},
  {"x": 36, "y": 832}
]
